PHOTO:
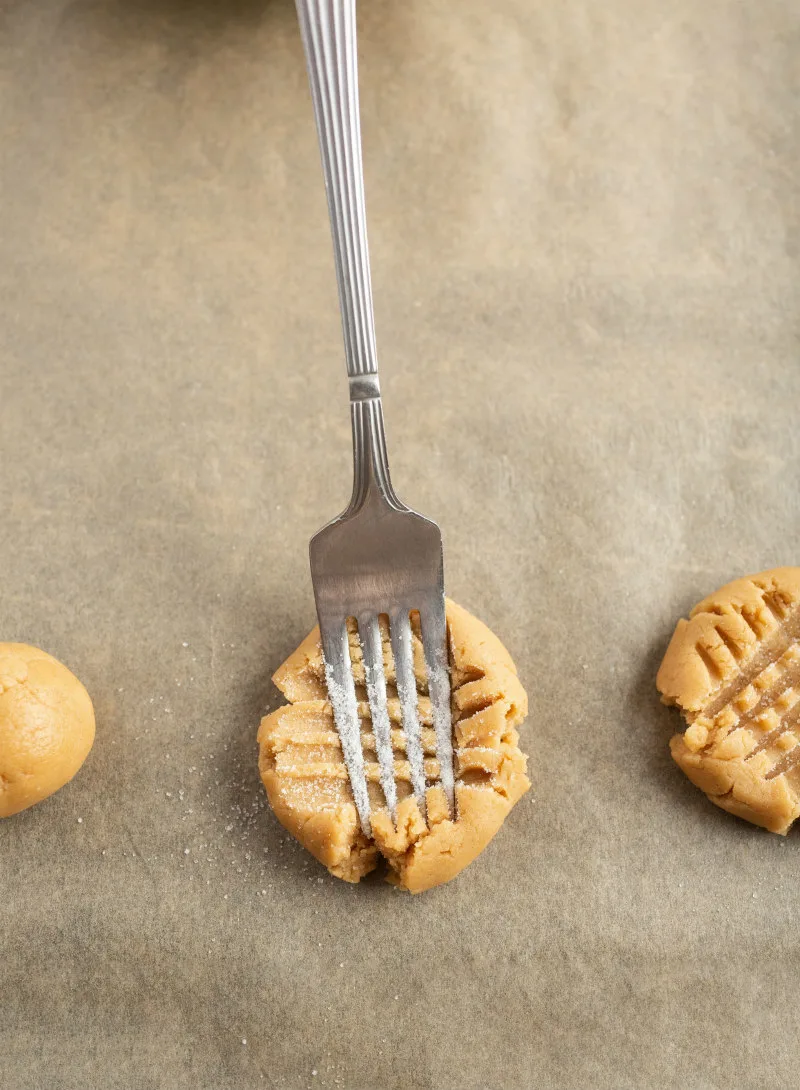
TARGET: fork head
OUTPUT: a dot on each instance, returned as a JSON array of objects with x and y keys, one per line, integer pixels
[{"x": 380, "y": 558}]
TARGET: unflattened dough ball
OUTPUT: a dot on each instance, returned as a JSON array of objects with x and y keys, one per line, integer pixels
[
  {"x": 733, "y": 669},
  {"x": 303, "y": 771},
  {"x": 46, "y": 726}
]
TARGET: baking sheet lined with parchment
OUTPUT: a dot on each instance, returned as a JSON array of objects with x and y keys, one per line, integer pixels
[{"x": 584, "y": 228}]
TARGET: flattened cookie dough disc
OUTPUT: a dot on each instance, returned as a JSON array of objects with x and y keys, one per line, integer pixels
[
  {"x": 46, "y": 726},
  {"x": 733, "y": 669},
  {"x": 301, "y": 764}
]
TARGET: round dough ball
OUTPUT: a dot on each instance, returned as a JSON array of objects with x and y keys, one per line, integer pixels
[{"x": 46, "y": 726}]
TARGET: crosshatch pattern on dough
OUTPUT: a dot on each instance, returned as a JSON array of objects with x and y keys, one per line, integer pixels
[
  {"x": 306, "y": 780},
  {"x": 733, "y": 669}
]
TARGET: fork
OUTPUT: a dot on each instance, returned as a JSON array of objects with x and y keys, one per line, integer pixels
[{"x": 378, "y": 557}]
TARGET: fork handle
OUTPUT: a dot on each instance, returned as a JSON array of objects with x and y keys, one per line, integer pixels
[{"x": 329, "y": 36}]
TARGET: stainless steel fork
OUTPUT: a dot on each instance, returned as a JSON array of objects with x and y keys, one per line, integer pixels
[{"x": 378, "y": 557}]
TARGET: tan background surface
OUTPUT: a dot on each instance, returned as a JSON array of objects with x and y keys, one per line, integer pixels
[{"x": 585, "y": 234}]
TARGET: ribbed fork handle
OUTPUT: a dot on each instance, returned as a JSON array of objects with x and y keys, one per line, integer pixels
[{"x": 329, "y": 37}]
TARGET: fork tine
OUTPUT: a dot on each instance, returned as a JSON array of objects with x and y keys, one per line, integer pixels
[
  {"x": 342, "y": 693},
  {"x": 372, "y": 646},
  {"x": 400, "y": 631},
  {"x": 434, "y": 642}
]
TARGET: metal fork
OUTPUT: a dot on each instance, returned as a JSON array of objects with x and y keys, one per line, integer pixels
[{"x": 378, "y": 557}]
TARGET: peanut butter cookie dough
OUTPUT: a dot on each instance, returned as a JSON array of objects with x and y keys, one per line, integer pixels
[
  {"x": 302, "y": 768},
  {"x": 46, "y": 726},
  {"x": 733, "y": 669}
]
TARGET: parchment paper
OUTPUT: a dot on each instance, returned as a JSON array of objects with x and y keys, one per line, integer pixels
[{"x": 584, "y": 225}]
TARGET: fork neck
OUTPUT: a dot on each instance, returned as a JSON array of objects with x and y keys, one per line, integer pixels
[{"x": 371, "y": 480}]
